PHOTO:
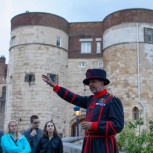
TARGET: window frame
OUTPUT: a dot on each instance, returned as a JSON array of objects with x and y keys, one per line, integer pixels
[
  {"x": 81, "y": 64},
  {"x": 13, "y": 39},
  {"x": 98, "y": 41},
  {"x": 146, "y": 35},
  {"x": 100, "y": 64},
  {"x": 29, "y": 78},
  {"x": 58, "y": 41},
  {"x": 135, "y": 113},
  {"x": 86, "y": 45},
  {"x": 54, "y": 77},
  {"x": 98, "y": 48}
]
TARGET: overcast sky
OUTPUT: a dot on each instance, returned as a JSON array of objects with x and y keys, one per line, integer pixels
[{"x": 71, "y": 10}]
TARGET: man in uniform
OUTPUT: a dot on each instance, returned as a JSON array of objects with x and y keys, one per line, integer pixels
[{"x": 104, "y": 112}]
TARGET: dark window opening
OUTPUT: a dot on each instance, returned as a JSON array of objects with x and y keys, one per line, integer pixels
[
  {"x": 135, "y": 113},
  {"x": 29, "y": 78},
  {"x": 58, "y": 41},
  {"x": 53, "y": 77},
  {"x": 148, "y": 35}
]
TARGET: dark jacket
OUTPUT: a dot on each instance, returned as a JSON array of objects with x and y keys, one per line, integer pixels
[
  {"x": 54, "y": 145},
  {"x": 33, "y": 141},
  {"x": 1, "y": 134},
  {"x": 106, "y": 114}
]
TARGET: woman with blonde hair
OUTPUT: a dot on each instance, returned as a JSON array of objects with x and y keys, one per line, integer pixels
[
  {"x": 50, "y": 142},
  {"x": 14, "y": 142}
]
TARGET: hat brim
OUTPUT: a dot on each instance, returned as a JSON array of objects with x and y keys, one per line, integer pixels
[{"x": 106, "y": 81}]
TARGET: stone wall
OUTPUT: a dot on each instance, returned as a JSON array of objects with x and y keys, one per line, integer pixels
[
  {"x": 34, "y": 51},
  {"x": 131, "y": 74}
]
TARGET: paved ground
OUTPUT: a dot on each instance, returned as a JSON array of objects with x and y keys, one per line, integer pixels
[{"x": 73, "y": 145}]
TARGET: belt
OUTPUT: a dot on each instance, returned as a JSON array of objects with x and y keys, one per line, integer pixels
[{"x": 96, "y": 134}]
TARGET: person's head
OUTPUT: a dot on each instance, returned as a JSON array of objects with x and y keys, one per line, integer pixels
[
  {"x": 13, "y": 127},
  {"x": 49, "y": 128},
  {"x": 96, "y": 80},
  {"x": 34, "y": 119}
]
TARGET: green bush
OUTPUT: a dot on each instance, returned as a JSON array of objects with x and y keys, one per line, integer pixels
[{"x": 134, "y": 139}]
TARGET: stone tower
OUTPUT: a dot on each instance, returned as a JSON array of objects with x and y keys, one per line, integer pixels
[
  {"x": 39, "y": 45},
  {"x": 128, "y": 57}
]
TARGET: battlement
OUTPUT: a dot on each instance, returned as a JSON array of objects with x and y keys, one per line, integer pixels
[
  {"x": 2, "y": 59},
  {"x": 3, "y": 68}
]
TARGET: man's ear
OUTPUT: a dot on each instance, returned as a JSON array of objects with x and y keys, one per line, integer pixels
[{"x": 102, "y": 83}]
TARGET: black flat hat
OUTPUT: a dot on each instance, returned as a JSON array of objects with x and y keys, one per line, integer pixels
[{"x": 96, "y": 74}]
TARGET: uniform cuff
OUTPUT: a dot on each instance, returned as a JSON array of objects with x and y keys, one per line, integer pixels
[
  {"x": 56, "y": 88},
  {"x": 94, "y": 125}
]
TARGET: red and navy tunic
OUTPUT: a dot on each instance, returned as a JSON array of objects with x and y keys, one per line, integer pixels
[{"x": 106, "y": 114}]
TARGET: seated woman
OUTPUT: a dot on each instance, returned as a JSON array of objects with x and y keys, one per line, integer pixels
[
  {"x": 50, "y": 142},
  {"x": 13, "y": 142}
]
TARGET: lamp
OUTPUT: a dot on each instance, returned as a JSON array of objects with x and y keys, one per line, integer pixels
[{"x": 77, "y": 113}]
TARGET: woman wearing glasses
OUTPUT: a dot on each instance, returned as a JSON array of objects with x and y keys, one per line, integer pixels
[
  {"x": 14, "y": 142},
  {"x": 50, "y": 142}
]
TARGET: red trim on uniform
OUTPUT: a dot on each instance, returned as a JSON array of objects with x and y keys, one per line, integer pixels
[
  {"x": 111, "y": 125},
  {"x": 107, "y": 147},
  {"x": 74, "y": 95},
  {"x": 108, "y": 99},
  {"x": 92, "y": 104},
  {"x": 101, "y": 93},
  {"x": 101, "y": 110},
  {"x": 66, "y": 92},
  {"x": 112, "y": 140},
  {"x": 56, "y": 88},
  {"x": 98, "y": 136},
  {"x": 94, "y": 126},
  {"x": 85, "y": 146}
]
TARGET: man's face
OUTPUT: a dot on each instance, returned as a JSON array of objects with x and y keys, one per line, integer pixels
[
  {"x": 35, "y": 123},
  {"x": 96, "y": 86}
]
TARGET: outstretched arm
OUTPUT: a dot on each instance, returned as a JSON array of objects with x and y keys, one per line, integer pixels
[{"x": 67, "y": 95}]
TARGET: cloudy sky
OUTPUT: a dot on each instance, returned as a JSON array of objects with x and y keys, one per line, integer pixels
[{"x": 71, "y": 10}]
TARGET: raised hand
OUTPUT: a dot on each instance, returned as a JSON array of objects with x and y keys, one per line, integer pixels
[
  {"x": 33, "y": 133},
  {"x": 48, "y": 80}
]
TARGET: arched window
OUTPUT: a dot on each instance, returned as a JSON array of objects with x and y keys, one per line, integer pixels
[{"x": 135, "y": 113}]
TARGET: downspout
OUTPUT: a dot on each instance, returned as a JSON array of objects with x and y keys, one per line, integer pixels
[{"x": 139, "y": 83}]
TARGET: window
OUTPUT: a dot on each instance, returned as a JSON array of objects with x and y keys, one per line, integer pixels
[
  {"x": 100, "y": 64},
  {"x": 53, "y": 77},
  {"x": 81, "y": 64},
  {"x": 98, "y": 47},
  {"x": 135, "y": 113},
  {"x": 58, "y": 41},
  {"x": 12, "y": 40},
  {"x": 85, "y": 47},
  {"x": 29, "y": 78},
  {"x": 148, "y": 35}
]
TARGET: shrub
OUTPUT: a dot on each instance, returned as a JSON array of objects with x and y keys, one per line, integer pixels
[{"x": 134, "y": 139}]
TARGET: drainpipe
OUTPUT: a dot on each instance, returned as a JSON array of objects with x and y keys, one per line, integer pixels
[{"x": 139, "y": 83}]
